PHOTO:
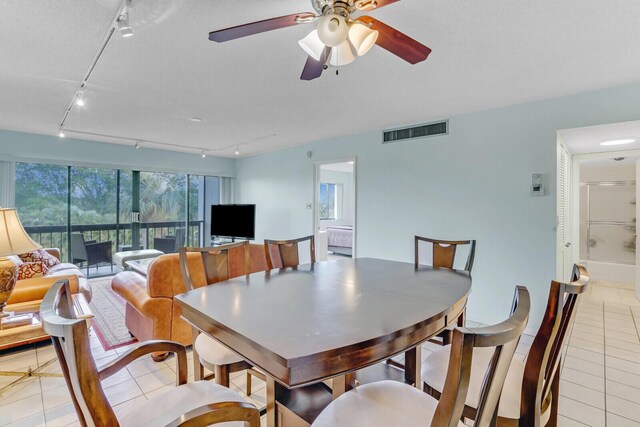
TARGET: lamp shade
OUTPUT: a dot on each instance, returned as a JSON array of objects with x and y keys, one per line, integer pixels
[
  {"x": 332, "y": 29},
  {"x": 13, "y": 238},
  {"x": 342, "y": 55},
  {"x": 312, "y": 45},
  {"x": 362, "y": 37}
]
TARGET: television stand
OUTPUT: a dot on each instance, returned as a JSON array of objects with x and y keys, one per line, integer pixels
[{"x": 224, "y": 241}]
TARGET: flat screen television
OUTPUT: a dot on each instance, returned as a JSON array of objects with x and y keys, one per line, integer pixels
[{"x": 235, "y": 221}]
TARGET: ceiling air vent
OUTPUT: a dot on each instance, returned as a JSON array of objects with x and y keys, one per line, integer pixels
[{"x": 422, "y": 131}]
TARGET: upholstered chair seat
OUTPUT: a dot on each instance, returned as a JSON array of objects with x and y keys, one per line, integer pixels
[
  {"x": 391, "y": 403},
  {"x": 163, "y": 409},
  {"x": 434, "y": 372},
  {"x": 531, "y": 388},
  {"x": 383, "y": 403},
  {"x": 212, "y": 353}
]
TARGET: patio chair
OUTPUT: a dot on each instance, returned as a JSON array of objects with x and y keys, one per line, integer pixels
[
  {"x": 170, "y": 244},
  {"x": 90, "y": 251}
]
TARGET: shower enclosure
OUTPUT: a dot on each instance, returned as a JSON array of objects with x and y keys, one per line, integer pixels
[{"x": 608, "y": 229}]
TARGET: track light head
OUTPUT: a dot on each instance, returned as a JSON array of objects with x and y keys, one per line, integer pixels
[
  {"x": 137, "y": 146},
  {"x": 61, "y": 133},
  {"x": 203, "y": 154},
  {"x": 237, "y": 152}
]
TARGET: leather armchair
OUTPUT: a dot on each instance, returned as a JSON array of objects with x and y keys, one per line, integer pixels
[{"x": 151, "y": 313}]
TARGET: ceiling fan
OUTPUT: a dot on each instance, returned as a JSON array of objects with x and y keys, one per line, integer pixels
[{"x": 338, "y": 35}]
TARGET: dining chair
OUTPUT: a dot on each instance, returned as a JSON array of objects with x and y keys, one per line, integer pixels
[
  {"x": 393, "y": 403},
  {"x": 208, "y": 352},
  {"x": 444, "y": 256},
  {"x": 287, "y": 252},
  {"x": 530, "y": 395},
  {"x": 197, "y": 403}
]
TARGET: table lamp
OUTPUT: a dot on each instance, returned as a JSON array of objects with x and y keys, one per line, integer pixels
[{"x": 14, "y": 240}]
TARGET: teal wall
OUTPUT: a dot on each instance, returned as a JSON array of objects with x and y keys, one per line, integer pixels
[
  {"x": 472, "y": 183},
  {"x": 20, "y": 146}
]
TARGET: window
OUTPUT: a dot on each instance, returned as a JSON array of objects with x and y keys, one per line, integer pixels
[
  {"x": 41, "y": 200},
  {"x": 54, "y": 201},
  {"x": 328, "y": 201}
]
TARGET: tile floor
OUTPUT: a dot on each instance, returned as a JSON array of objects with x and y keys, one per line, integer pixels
[{"x": 600, "y": 383}]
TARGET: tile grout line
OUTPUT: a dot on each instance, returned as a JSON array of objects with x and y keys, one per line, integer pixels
[{"x": 586, "y": 404}]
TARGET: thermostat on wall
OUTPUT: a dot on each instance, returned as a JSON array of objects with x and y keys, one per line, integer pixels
[{"x": 537, "y": 187}]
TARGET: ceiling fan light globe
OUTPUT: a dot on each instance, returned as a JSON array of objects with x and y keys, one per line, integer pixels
[
  {"x": 312, "y": 45},
  {"x": 342, "y": 55},
  {"x": 362, "y": 37},
  {"x": 332, "y": 29}
]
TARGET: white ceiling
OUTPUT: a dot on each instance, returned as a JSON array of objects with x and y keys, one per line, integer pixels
[
  {"x": 609, "y": 161},
  {"x": 587, "y": 139},
  {"x": 486, "y": 54}
]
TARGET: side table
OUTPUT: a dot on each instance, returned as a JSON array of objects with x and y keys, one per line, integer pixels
[{"x": 24, "y": 327}]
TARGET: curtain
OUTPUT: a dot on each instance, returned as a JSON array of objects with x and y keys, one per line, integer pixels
[
  {"x": 7, "y": 184},
  {"x": 226, "y": 190}
]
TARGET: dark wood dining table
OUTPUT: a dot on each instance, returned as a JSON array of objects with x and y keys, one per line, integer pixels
[{"x": 326, "y": 320}]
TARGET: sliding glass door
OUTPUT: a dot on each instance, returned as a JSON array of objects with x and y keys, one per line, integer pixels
[
  {"x": 163, "y": 210},
  {"x": 93, "y": 222},
  {"x": 41, "y": 201},
  {"x": 94, "y": 213}
]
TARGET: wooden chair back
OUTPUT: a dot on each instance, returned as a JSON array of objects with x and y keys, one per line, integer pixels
[
  {"x": 541, "y": 368},
  {"x": 215, "y": 261},
  {"x": 70, "y": 338},
  {"x": 444, "y": 252},
  {"x": 287, "y": 251},
  {"x": 504, "y": 338}
]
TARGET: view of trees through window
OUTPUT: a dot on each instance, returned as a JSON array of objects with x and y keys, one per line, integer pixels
[
  {"x": 328, "y": 205},
  {"x": 99, "y": 203}
]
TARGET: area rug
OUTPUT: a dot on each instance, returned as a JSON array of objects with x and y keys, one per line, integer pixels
[{"x": 108, "y": 311}]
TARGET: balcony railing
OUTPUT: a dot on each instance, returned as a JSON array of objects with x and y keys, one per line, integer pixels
[{"x": 119, "y": 234}]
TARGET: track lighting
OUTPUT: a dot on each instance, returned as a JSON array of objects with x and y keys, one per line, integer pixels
[
  {"x": 237, "y": 152},
  {"x": 123, "y": 21},
  {"x": 203, "y": 154},
  {"x": 79, "y": 101},
  {"x": 61, "y": 133},
  {"x": 137, "y": 146}
]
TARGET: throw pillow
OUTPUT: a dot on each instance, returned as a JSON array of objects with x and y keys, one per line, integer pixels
[
  {"x": 29, "y": 270},
  {"x": 40, "y": 255}
]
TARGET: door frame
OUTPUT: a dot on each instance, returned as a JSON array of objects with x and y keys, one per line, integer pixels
[
  {"x": 560, "y": 248},
  {"x": 316, "y": 197}
]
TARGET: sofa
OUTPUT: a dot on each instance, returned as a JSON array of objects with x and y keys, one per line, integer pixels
[
  {"x": 32, "y": 291},
  {"x": 151, "y": 312}
]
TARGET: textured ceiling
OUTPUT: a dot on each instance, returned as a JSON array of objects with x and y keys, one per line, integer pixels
[{"x": 486, "y": 54}]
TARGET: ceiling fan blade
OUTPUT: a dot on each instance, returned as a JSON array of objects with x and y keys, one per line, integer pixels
[
  {"x": 313, "y": 68},
  {"x": 396, "y": 42},
  {"x": 259, "y": 27},
  {"x": 367, "y": 5}
]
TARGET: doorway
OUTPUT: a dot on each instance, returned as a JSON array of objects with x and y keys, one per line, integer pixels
[
  {"x": 335, "y": 209},
  {"x": 597, "y": 207}
]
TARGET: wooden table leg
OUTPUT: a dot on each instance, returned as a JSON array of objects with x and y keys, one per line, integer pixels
[
  {"x": 273, "y": 391},
  {"x": 198, "y": 369},
  {"x": 412, "y": 366},
  {"x": 338, "y": 386}
]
